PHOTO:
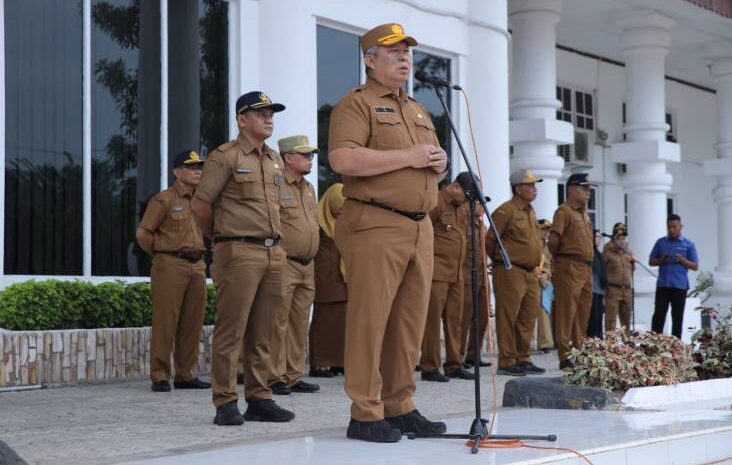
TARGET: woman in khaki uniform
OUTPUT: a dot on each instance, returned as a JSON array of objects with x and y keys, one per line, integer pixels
[
  {"x": 620, "y": 264},
  {"x": 328, "y": 328}
]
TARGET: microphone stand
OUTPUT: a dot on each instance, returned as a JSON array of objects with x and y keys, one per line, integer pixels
[{"x": 479, "y": 426}]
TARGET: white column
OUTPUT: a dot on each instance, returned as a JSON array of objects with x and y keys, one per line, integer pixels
[
  {"x": 535, "y": 131},
  {"x": 288, "y": 72},
  {"x": 243, "y": 53},
  {"x": 486, "y": 82},
  {"x": 721, "y": 56},
  {"x": 645, "y": 39}
]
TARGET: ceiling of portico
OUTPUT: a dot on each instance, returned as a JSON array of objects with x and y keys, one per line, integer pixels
[{"x": 587, "y": 25}]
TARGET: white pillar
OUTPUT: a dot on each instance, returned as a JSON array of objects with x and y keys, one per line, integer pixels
[
  {"x": 534, "y": 129},
  {"x": 721, "y": 55},
  {"x": 645, "y": 39},
  {"x": 487, "y": 86}
]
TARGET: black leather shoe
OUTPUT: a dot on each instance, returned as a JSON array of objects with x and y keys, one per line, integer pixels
[
  {"x": 337, "y": 371},
  {"x": 467, "y": 364},
  {"x": 460, "y": 373},
  {"x": 512, "y": 370},
  {"x": 373, "y": 431},
  {"x": 228, "y": 415},
  {"x": 281, "y": 389},
  {"x": 470, "y": 364},
  {"x": 266, "y": 410},
  {"x": 436, "y": 376},
  {"x": 240, "y": 379},
  {"x": 160, "y": 386},
  {"x": 531, "y": 369},
  {"x": 414, "y": 422},
  {"x": 321, "y": 372},
  {"x": 194, "y": 383},
  {"x": 304, "y": 386},
  {"x": 566, "y": 364}
]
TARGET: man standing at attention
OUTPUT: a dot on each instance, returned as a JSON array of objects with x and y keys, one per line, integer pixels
[
  {"x": 384, "y": 145},
  {"x": 675, "y": 255},
  {"x": 238, "y": 205}
]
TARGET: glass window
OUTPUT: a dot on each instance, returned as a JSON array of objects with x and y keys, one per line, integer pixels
[
  {"x": 338, "y": 56},
  {"x": 43, "y": 151}
]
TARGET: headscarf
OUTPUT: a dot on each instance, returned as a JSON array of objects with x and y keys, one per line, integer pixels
[{"x": 329, "y": 204}]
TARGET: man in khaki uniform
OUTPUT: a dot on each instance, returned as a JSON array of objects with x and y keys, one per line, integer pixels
[
  {"x": 384, "y": 145},
  {"x": 517, "y": 289},
  {"x": 571, "y": 244},
  {"x": 237, "y": 204},
  {"x": 178, "y": 277},
  {"x": 619, "y": 263},
  {"x": 300, "y": 240},
  {"x": 446, "y": 294},
  {"x": 544, "y": 337}
]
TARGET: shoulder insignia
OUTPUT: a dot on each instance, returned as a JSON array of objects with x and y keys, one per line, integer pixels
[{"x": 226, "y": 146}]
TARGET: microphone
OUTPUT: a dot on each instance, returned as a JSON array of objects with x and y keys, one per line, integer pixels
[{"x": 435, "y": 81}]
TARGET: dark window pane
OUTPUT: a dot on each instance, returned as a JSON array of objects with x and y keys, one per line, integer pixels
[
  {"x": 559, "y": 93},
  {"x": 581, "y": 122},
  {"x": 669, "y": 206},
  {"x": 43, "y": 151},
  {"x": 580, "y": 102},
  {"x": 588, "y": 104},
  {"x": 567, "y": 99},
  {"x": 125, "y": 137},
  {"x": 592, "y": 204},
  {"x": 589, "y": 123},
  {"x": 567, "y": 117},
  {"x": 560, "y": 193},
  {"x": 338, "y": 71}
]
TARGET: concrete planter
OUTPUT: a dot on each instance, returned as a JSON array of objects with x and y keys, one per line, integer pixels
[
  {"x": 67, "y": 357},
  {"x": 656, "y": 396}
]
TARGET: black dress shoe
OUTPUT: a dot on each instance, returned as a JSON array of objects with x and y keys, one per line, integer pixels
[
  {"x": 460, "y": 373},
  {"x": 160, "y": 386},
  {"x": 194, "y": 383},
  {"x": 467, "y": 365},
  {"x": 240, "y": 379},
  {"x": 435, "y": 376},
  {"x": 373, "y": 431},
  {"x": 511, "y": 370},
  {"x": 321, "y": 372},
  {"x": 337, "y": 371},
  {"x": 566, "y": 364},
  {"x": 532, "y": 369},
  {"x": 228, "y": 415},
  {"x": 470, "y": 364},
  {"x": 281, "y": 389},
  {"x": 547, "y": 350},
  {"x": 414, "y": 422},
  {"x": 304, "y": 386},
  {"x": 267, "y": 410}
]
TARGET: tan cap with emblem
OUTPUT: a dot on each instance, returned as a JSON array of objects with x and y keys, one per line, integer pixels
[
  {"x": 385, "y": 35},
  {"x": 299, "y": 144},
  {"x": 524, "y": 177}
]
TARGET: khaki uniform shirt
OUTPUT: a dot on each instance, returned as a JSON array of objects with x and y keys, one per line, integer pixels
[
  {"x": 168, "y": 217},
  {"x": 448, "y": 223},
  {"x": 516, "y": 222},
  {"x": 299, "y": 218},
  {"x": 372, "y": 116},
  {"x": 243, "y": 186},
  {"x": 329, "y": 283},
  {"x": 618, "y": 265},
  {"x": 573, "y": 226},
  {"x": 480, "y": 258}
]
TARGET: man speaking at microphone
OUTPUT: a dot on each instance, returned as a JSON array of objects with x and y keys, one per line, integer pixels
[{"x": 384, "y": 145}]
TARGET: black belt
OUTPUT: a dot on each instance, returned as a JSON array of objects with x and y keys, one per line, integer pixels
[
  {"x": 577, "y": 259},
  {"x": 414, "y": 216},
  {"x": 193, "y": 258},
  {"x": 620, "y": 286},
  {"x": 302, "y": 261},
  {"x": 528, "y": 269},
  {"x": 267, "y": 242}
]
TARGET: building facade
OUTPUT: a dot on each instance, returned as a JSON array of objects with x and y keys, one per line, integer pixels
[{"x": 98, "y": 95}]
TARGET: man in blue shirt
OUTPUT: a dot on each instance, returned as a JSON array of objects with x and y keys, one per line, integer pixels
[{"x": 675, "y": 256}]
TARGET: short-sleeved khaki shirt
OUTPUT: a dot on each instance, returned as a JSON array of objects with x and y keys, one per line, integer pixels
[
  {"x": 516, "y": 222},
  {"x": 448, "y": 224},
  {"x": 372, "y": 116},
  {"x": 298, "y": 212},
  {"x": 573, "y": 226},
  {"x": 168, "y": 217},
  {"x": 618, "y": 265},
  {"x": 243, "y": 186}
]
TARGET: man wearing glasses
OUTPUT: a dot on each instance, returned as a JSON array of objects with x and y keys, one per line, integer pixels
[
  {"x": 300, "y": 239},
  {"x": 178, "y": 277}
]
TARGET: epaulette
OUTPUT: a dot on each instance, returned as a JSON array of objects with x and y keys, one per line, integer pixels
[{"x": 226, "y": 146}]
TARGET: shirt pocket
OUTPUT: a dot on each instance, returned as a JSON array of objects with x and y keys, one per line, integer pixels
[
  {"x": 389, "y": 132},
  {"x": 425, "y": 129},
  {"x": 248, "y": 182},
  {"x": 288, "y": 207},
  {"x": 180, "y": 218}
]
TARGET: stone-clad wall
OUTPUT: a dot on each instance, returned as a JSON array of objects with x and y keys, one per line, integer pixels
[{"x": 56, "y": 358}]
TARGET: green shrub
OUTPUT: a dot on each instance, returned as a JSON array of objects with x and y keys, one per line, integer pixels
[
  {"x": 713, "y": 347},
  {"x": 52, "y": 304}
]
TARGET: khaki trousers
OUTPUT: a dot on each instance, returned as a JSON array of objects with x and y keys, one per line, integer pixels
[
  {"x": 179, "y": 300},
  {"x": 467, "y": 340},
  {"x": 291, "y": 324},
  {"x": 618, "y": 302},
  {"x": 249, "y": 287},
  {"x": 544, "y": 338},
  {"x": 517, "y": 297},
  {"x": 389, "y": 260},
  {"x": 328, "y": 334},
  {"x": 572, "y": 302},
  {"x": 446, "y": 307}
]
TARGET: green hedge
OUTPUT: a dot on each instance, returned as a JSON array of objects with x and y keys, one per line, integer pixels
[{"x": 41, "y": 305}]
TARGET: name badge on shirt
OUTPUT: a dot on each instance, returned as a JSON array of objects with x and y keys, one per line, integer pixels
[
  {"x": 277, "y": 179},
  {"x": 384, "y": 110},
  {"x": 287, "y": 197},
  {"x": 177, "y": 209},
  {"x": 244, "y": 170}
]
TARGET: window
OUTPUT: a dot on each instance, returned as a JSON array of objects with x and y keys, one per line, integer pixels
[
  {"x": 669, "y": 206},
  {"x": 577, "y": 107},
  {"x": 43, "y": 145}
]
